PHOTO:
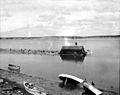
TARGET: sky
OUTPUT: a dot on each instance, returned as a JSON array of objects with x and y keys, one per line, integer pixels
[{"x": 36, "y": 18}]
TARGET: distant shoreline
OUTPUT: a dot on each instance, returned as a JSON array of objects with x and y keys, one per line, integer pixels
[{"x": 69, "y": 37}]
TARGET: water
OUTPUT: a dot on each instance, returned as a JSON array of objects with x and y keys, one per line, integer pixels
[{"x": 101, "y": 67}]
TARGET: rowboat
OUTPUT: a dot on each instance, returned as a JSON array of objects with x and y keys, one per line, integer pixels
[
  {"x": 75, "y": 80},
  {"x": 30, "y": 88},
  {"x": 70, "y": 79},
  {"x": 13, "y": 67}
]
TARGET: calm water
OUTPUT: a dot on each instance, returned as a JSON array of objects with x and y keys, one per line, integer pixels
[{"x": 102, "y": 66}]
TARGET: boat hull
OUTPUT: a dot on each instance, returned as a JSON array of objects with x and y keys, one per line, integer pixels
[
  {"x": 14, "y": 68},
  {"x": 70, "y": 79}
]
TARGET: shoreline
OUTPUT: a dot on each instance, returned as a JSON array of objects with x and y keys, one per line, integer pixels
[
  {"x": 69, "y": 37},
  {"x": 28, "y": 51},
  {"x": 52, "y": 87}
]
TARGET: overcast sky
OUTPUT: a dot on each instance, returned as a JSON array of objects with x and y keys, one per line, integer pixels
[{"x": 26, "y": 18}]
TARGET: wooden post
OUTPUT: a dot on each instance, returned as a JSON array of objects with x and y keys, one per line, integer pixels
[{"x": 65, "y": 82}]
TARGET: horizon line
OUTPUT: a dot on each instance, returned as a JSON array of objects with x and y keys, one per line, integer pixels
[{"x": 100, "y": 36}]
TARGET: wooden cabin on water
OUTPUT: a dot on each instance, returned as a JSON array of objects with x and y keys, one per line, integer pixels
[{"x": 73, "y": 50}]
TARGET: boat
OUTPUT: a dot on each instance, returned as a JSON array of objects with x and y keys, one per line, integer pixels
[
  {"x": 70, "y": 79},
  {"x": 13, "y": 67},
  {"x": 73, "y": 50},
  {"x": 75, "y": 80},
  {"x": 32, "y": 89}
]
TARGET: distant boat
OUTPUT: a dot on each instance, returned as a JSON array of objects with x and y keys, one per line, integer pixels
[
  {"x": 13, "y": 67},
  {"x": 30, "y": 88},
  {"x": 75, "y": 80}
]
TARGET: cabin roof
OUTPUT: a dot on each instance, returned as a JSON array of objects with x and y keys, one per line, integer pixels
[{"x": 72, "y": 47}]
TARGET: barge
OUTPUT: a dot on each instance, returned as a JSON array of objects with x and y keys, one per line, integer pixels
[{"x": 73, "y": 50}]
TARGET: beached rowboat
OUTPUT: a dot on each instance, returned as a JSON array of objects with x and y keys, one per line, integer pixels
[
  {"x": 30, "y": 88},
  {"x": 13, "y": 67},
  {"x": 75, "y": 80}
]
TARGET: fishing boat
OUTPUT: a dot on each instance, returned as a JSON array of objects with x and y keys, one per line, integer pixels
[
  {"x": 13, "y": 67},
  {"x": 32, "y": 89},
  {"x": 75, "y": 80}
]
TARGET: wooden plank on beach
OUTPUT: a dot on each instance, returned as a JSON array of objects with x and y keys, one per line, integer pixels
[{"x": 92, "y": 88}]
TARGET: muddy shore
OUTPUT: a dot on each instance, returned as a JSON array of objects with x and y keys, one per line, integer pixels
[{"x": 52, "y": 87}]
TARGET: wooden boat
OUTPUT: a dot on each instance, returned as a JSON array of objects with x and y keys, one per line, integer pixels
[
  {"x": 74, "y": 50},
  {"x": 70, "y": 79},
  {"x": 30, "y": 88},
  {"x": 75, "y": 80},
  {"x": 13, "y": 67}
]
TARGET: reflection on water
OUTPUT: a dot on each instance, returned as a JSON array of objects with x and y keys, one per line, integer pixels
[{"x": 72, "y": 57}]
